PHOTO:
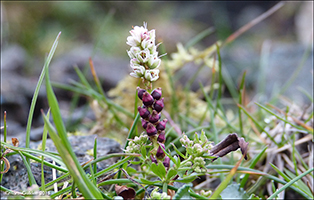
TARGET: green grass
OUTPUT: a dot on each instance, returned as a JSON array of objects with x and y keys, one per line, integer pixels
[{"x": 283, "y": 171}]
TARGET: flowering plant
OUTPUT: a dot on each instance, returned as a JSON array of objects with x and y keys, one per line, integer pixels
[{"x": 144, "y": 61}]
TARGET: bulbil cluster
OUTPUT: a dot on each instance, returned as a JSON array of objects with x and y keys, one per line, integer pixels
[{"x": 150, "y": 113}]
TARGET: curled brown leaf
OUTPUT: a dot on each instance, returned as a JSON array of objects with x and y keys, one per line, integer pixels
[
  {"x": 231, "y": 143},
  {"x": 125, "y": 192},
  {"x": 7, "y": 165}
]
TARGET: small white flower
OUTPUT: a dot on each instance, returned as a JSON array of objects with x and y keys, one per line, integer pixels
[
  {"x": 143, "y": 56},
  {"x": 137, "y": 35},
  {"x": 148, "y": 44},
  {"x": 154, "y": 62},
  {"x": 152, "y": 75},
  {"x": 133, "y": 52},
  {"x": 138, "y": 71}
]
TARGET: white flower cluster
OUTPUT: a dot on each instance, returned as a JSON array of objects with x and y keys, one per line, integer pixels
[
  {"x": 198, "y": 149},
  {"x": 136, "y": 144},
  {"x": 143, "y": 53},
  {"x": 198, "y": 146},
  {"x": 157, "y": 195}
]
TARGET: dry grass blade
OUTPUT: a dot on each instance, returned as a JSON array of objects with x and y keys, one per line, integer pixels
[
  {"x": 298, "y": 122},
  {"x": 7, "y": 165},
  {"x": 253, "y": 22}
]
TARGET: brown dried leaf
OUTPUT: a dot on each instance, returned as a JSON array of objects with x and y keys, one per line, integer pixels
[
  {"x": 125, "y": 192},
  {"x": 7, "y": 165},
  {"x": 15, "y": 142},
  {"x": 231, "y": 143}
]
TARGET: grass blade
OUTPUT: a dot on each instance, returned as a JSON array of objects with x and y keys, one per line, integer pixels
[
  {"x": 290, "y": 183},
  {"x": 34, "y": 99},
  {"x": 252, "y": 165}
]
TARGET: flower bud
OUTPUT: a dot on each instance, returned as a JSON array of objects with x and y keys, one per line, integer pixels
[
  {"x": 144, "y": 123},
  {"x": 153, "y": 159},
  {"x": 154, "y": 117},
  {"x": 160, "y": 153},
  {"x": 151, "y": 130},
  {"x": 161, "y": 125},
  {"x": 140, "y": 92},
  {"x": 147, "y": 99},
  {"x": 156, "y": 93},
  {"x": 161, "y": 137},
  {"x": 166, "y": 162},
  {"x": 159, "y": 105},
  {"x": 144, "y": 113}
]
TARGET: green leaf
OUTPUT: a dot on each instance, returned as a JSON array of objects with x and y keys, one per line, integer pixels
[
  {"x": 233, "y": 191},
  {"x": 188, "y": 178},
  {"x": 252, "y": 165},
  {"x": 147, "y": 182},
  {"x": 64, "y": 148},
  {"x": 171, "y": 173},
  {"x": 159, "y": 170},
  {"x": 143, "y": 151},
  {"x": 292, "y": 182},
  {"x": 183, "y": 192}
]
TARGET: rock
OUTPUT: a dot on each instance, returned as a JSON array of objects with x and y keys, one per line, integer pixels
[
  {"x": 109, "y": 70},
  {"x": 13, "y": 58},
  {"x": 17, "y": 179}
]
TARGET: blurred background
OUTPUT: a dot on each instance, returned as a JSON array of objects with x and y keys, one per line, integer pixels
[{"x": 279, "y": 48}]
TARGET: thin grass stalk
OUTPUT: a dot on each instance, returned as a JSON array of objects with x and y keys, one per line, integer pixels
[
  {"x": 35, "y": 95},
  {"x": 282, "y": 119},
  {"x": 79, "y": 176},
  {"x": 252, "y": 165},
  {"x": 241, "y": 98},
  {"x": 95, "y": 157},
  {"x": 290, "y": 183},
  {"x": 5, "y": 126},
  {"x": 64, "y": 147},
  {"x": 257, "y": 124},
  {"x": 73, "y": 190},
  {"x": 199, "y": 37},
  {"x": 31, "y": 178},
  {"x": 252, "y": 23},
  {"x": 4, "y": 140},
  {"x": 225, "y": 182},
  {"x": 295, "y": 74},
  {"x": 43, "y": 146}
]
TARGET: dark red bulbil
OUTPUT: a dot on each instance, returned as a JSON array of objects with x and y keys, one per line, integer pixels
[
  {"x": 159, "y": 105},
  {"x": 151, "y": 130},
  {"x": 140, "y": 92},
  {"x": 161, "y": 125},
  {"x": 160, "y": 153},
  {"x": 147, "y": 99},
  {"x": 157, "y": 93},
  {"x": 161, "y": 137},
  {"x": 144, "y": 113},
  {"x": 154, "y": 117}
]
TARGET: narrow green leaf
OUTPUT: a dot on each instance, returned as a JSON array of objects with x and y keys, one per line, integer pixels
[
  {"x": 252, "y": 165},
  {"x": 43, "y": 147},
  {"x": 171, "y": 174},
  {"x": 178, "y": 152},
  {"x": 278, "y": 117},
  {"x": 290, "y": 183},
  {"x": 71, "y": 165},
  {"x": 34, "y": 99},
  {"x": 31, "y": 178}
]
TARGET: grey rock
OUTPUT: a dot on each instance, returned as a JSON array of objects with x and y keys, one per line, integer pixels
[
  {"x": 17, "y": 179},
  {"x": 110, "y": 70},
  {"x": 13, "y": 58}
]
